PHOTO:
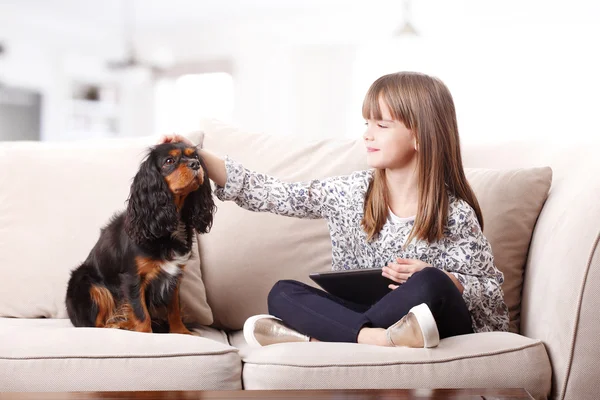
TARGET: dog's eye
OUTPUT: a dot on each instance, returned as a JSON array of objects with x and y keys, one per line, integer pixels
[{"x": 169, "y": 161}]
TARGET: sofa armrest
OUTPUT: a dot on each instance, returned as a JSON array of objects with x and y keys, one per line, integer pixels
[{"x": 561, "y": 294}]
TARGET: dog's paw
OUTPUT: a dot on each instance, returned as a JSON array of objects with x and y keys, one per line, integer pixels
[{"x": 181, "y": 330}]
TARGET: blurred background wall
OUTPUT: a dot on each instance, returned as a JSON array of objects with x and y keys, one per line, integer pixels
[{"x": 80, "y": 69}]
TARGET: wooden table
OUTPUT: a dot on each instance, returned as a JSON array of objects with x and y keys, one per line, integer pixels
[{"x": 366, "y": 394}]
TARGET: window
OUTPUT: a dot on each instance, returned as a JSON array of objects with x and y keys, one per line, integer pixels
[{"x": 181, "y": 103}]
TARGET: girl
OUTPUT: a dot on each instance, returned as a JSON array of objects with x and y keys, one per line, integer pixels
[{"x": 413, "y": 213}]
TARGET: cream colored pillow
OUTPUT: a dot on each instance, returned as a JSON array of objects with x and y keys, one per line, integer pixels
[
  {"x": 511, "y": 201},
  {"x": 54, "y": 198},
  {"x": 246, "y": 252}
]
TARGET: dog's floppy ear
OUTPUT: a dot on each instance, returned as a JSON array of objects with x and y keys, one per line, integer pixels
[
  {"x": 151, "y": 212},
  {"x": 199, "y": 206}
]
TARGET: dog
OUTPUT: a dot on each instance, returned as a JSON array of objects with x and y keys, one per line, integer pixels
[{"x": 134, "y": 270}]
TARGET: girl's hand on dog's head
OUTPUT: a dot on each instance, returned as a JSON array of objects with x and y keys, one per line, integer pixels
[{"x": 175, "y": 139}]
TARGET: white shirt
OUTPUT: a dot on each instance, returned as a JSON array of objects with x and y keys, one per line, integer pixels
[{"x": 393, "y": 218}]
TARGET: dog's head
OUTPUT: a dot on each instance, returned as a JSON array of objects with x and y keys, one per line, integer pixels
[{"x": 170, "y": 186}]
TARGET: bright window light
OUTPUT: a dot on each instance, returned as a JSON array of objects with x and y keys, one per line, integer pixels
[{"x": 181, "y": 103}]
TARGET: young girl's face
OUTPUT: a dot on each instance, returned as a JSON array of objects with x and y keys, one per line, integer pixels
[{"x": 389, "y": 143}]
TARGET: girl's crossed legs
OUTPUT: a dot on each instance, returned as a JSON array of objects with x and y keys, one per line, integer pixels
[{"x": 325, "y": 317}]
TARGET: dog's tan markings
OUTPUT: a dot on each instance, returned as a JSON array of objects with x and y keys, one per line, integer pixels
[
  {"x": 175, "y": 152},
  {"x": 179, "y": 178},
  {"x": 147, "y": 268},
  {"x": 174, "y": 312},
  {"x": 146, "y": 324},
  {"x": 189, "y": 151},
  {"x": 120, "y": 318},
  {"x": 124, "y": 317},
  {"x": 181, "y": 182},
  {"x": 179, "y": 200},
  {"x": 105, "y": 302}
]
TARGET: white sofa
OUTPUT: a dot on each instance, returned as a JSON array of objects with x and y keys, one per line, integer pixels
[{"x": 54, "y": 197}]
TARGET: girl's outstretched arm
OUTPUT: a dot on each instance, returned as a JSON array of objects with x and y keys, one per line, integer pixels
[
  {"x": 255, "y": 191},
  {"x": 317, "y": 198},
  {"x": 215, "y": 166}
]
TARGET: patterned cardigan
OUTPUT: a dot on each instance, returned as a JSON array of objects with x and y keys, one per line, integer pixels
[{"x": 463, "y": 251}]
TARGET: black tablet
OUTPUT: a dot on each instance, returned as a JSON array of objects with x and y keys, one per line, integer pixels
[{"x": 362, "y": 286}]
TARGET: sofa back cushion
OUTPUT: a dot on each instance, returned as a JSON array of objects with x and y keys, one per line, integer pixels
[
  {"x": 54, "y": 198},
  {"x": 510, "y": 201},
  {"x": 246, "y": 252}
]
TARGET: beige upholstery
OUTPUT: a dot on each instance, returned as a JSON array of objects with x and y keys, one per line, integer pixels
[
  {"x": 492, "y": 360},
  {"x": 55, "y": 197},
  {"x": 510, "y": 200},
  {"x": 560, "y": 295},
  {"x": 49, "y": 355},
  {"x": 585, "y": 359}
]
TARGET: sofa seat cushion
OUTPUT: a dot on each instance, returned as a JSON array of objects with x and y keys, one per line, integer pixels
[
  {"x": 51, "y": 355},
  {"x": 482, "y": 360}
]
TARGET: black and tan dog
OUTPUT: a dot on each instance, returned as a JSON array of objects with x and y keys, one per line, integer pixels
[{"x": 135, "y": 268}]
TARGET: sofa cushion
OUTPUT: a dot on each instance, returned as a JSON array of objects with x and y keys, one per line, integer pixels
[
  {"x": 246, "y": 253},
  {"x": 481, "y": 360},
  {"x": 510, "y": 201},
  {"x": 51, "y": 355},
  {"x": 54, "y": 198}
]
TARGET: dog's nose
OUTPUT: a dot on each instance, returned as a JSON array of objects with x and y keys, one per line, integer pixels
[{"x": 194, "y": 164}]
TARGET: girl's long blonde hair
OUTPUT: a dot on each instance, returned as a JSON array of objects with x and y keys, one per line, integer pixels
[{"x": 425, "y": 106}]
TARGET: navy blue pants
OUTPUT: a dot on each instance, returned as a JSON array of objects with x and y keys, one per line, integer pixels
[{"x": 327, "y": 318}]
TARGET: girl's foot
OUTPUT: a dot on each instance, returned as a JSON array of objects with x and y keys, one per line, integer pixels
[
  {"x": 415, "y": 329},
  {"x": 263, "y": 330}
]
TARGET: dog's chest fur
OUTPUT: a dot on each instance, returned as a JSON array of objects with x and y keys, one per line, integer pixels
[{"x": 161, "y": 288}]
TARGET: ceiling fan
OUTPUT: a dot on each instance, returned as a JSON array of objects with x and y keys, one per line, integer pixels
[{"x": 131, "y": 61}]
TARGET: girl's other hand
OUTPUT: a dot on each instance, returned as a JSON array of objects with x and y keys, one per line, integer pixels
[
  {"x": 174, "y": 138},
  {"x": 402, "y": 269}
]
